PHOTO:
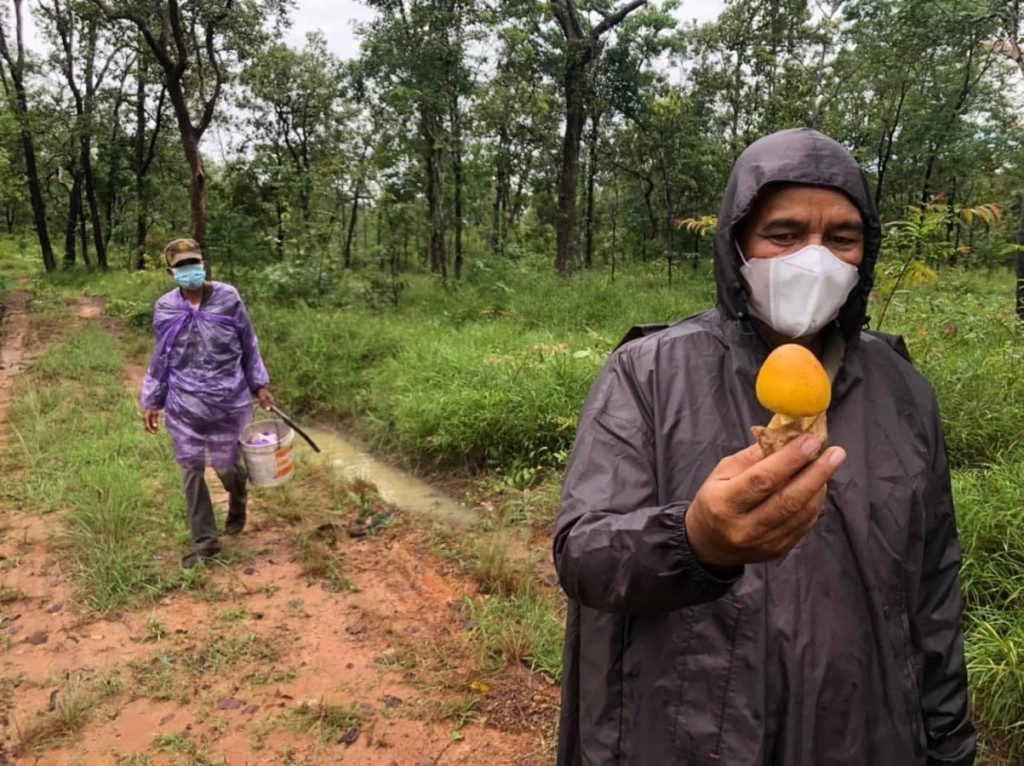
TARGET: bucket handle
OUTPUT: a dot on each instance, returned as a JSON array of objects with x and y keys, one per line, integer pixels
[{"x": 274, "y": 408}]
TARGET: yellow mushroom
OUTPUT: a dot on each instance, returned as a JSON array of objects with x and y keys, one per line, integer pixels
[{"x": 793, "y": 385}]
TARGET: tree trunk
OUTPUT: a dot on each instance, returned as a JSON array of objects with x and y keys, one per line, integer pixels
[
  {"x": 144, "y": 153},
  {"x": 588, "y": 224},
  {"x": 457, "y": 173},
  {"x": 35, "y": 191},
  {"x": 71, "y": 224},
  {"x": 568, "y": 186},
  {"x": 279, "y": 237},
  {"x": 196, "y": 191},
  {"x": 347, "y": 256},
  {"x": 88, "y": 175},
  {"x": 1020, "y": 266},
  {"x": 89, "y": 180},
  {"x": 652, "y": 219},
  {"x": 141, "y": 221},
  {"x": 501, "y": 180},
  {"x": 83, "y": 229},
  {"x": 438, "y": 255}
]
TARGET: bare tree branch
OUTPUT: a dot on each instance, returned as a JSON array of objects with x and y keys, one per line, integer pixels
[
  {"x": 174, "y": 13},
  {"x": 157, "y": 46},
  {"x": 566, "y": 15},
  {"x": 218, "y": 74},
  {"x": 613, "y": 19}
]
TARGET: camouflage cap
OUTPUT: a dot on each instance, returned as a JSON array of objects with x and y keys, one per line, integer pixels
[{"x": 181, "y": 250}]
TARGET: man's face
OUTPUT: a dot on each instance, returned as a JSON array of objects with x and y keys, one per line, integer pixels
[{"x": 790, "y": 218}]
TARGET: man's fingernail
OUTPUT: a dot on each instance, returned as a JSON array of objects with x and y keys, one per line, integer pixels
[
  {"x": 811, "y": 445},
  {"x": 836, "y": 457}
]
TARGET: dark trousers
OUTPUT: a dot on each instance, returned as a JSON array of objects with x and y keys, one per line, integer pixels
[{"x": 200, "y": 507}]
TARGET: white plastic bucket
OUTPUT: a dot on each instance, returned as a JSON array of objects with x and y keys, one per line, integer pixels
[{"x": 268, "y": 465}]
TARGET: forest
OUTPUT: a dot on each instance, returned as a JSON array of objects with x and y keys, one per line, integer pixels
[{"x": 441, "y": 238}]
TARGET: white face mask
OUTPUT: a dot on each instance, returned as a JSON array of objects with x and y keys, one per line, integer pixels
[{"x": 798, "y": 294}]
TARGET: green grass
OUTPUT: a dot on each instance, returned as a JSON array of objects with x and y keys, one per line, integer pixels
[
  {"x": 326, "y": 722},
  {"x": 964, "y": 338},
  {"x": 74, "y": 704},
  {"x": 78, "y": 448},
  {"x": 526, "y": 629}
]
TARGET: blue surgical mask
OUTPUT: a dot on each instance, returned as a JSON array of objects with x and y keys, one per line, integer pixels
[{"x": 190, "y": 277}]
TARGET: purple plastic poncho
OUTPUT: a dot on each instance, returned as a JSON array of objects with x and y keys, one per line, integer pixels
[{"x": 205, "y": 368}]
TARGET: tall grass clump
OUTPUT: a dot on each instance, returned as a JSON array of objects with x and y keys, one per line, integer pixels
[
  {"x": 487, "y": 397},
  {"x": 321, "y": 362},
  {"x": 965, "y": 339}
]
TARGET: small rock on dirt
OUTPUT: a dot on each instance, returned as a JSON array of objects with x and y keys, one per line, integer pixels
[
  {"x": 37, "y": 638},
  {"x": 350, "y": 736},
  {"x": 166, "y": 719},
  {"x": 251, "y": 710},
  {"x": 428, "y": 762},
  {"x": 249, "y": 571},
  {"x": 229, "y": 703},
  {"x": 55, "y": 608},
  {"x": 391, "y": 701}
]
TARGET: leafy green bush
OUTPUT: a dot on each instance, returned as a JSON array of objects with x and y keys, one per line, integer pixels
[
  {"x": 319, "y": 361},
  {"x": 487, "y": 396}
]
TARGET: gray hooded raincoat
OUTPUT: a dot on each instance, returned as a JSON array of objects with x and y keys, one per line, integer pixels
[{"x": 848, "y": 651}]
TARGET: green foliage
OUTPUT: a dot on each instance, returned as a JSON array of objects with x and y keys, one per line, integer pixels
[
  {"x": 966, "y": 341},
  {"x": 492, "y": 374}
]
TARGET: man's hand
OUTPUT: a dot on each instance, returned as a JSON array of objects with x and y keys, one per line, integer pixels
[
  {"x": 151, "y": 420},
  {"x": 266, "y": 398},
  {"x": 754, "y": 508}
]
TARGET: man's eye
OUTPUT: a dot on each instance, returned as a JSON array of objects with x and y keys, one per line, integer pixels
[
  {"x": 782, "y": 238},
  {"x": 845, "y": 241}
]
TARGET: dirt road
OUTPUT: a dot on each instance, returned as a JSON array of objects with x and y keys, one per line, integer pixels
[{"x": 262, "y": 661}]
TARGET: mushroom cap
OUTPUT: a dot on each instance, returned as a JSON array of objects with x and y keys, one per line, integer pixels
[{"x": 793, "y": 382}]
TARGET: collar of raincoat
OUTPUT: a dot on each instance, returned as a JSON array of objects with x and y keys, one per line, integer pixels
[{"x": 798, "y": 156}]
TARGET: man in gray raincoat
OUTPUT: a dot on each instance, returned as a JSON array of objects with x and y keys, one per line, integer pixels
[{"x": 800, "y": 609}]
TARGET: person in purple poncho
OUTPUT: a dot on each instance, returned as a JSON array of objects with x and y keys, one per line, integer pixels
[{"x": 206, "y": 368}]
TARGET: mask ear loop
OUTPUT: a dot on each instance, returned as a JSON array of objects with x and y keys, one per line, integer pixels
[{"x": 743, "y": 314}]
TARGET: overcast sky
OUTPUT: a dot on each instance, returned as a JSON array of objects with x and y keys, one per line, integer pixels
[{"x": 337, "y": 19}]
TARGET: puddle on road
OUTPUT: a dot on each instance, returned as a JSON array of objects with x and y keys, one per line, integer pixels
[{"x": 395, "y": 485}]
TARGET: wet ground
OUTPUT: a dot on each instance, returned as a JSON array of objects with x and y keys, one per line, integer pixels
[{"x": 264, "y": 665}]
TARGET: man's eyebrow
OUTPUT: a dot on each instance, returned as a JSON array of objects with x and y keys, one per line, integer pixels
[
  {"x": 782, "y": 223},
  {"x": 850, "y": 225},
  {"x": 786, "y": 224}
]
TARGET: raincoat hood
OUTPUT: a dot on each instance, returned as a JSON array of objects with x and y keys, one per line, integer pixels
[{"x": 798, "y": 156}]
